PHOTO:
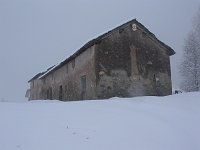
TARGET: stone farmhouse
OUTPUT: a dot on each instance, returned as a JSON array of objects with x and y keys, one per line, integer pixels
[{"x": 124, "y": 62}]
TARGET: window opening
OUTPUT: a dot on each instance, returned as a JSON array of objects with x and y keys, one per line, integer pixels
[
  {"x": 60, "y": 93},
  {"x": 83, "y": 87}
]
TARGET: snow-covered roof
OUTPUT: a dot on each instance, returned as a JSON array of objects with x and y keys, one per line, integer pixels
[
  {"x": 39, "y": 75},
  {"x": 48, "y": 70}
]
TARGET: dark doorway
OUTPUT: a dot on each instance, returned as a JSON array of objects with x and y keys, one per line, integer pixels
[
  {"x": 83, "y": 87},
  {"x": 50, "y": 93},
  {"x": 60, "y": 92}
]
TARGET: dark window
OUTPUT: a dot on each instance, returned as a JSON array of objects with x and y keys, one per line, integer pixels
[
  {"x": 154, "y": 78},
  {"x": 49, "y": 93},
  {"x": 60, "y": 93},
  {"x": 83, "y": 86},
  {"x": 73, "y": 63}
]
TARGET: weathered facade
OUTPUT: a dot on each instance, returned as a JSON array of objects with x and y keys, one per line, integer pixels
[{"x": 127, "y": 61}]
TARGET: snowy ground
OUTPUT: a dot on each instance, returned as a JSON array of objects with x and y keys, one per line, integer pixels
[{"x": 142, "y": 123}]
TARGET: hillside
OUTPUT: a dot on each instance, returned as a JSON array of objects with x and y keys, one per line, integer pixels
[{"x": 142, "y": 123}]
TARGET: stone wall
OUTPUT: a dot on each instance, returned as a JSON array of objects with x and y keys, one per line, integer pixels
[
  {"x": 65, "y": 83},
  {"x": 35, "y": 89},
  {"x": 131, "y": 63}
]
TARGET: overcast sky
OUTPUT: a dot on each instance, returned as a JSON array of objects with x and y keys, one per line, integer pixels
[{"x": 35, "y": 34}]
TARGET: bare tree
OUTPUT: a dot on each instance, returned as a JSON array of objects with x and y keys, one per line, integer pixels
[{"x": 190, "y": 66}]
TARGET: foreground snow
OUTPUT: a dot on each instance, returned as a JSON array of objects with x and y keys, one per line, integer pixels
[{"x": 142, "y": 123}]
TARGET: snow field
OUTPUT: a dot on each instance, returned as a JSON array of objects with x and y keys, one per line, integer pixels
[{"x": 141, "y": 123}]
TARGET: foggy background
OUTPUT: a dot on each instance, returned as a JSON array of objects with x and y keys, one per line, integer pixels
[{"x": 36, "y": 34}]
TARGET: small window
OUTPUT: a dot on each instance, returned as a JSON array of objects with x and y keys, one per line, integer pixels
[
  {"x": 154, "y": 78},
  {"x": 73, "y": 63},
  {"x": 83, "y": 83}
]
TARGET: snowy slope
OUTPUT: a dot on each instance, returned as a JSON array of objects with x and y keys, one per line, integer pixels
[{"x": 142, "y": 123}]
